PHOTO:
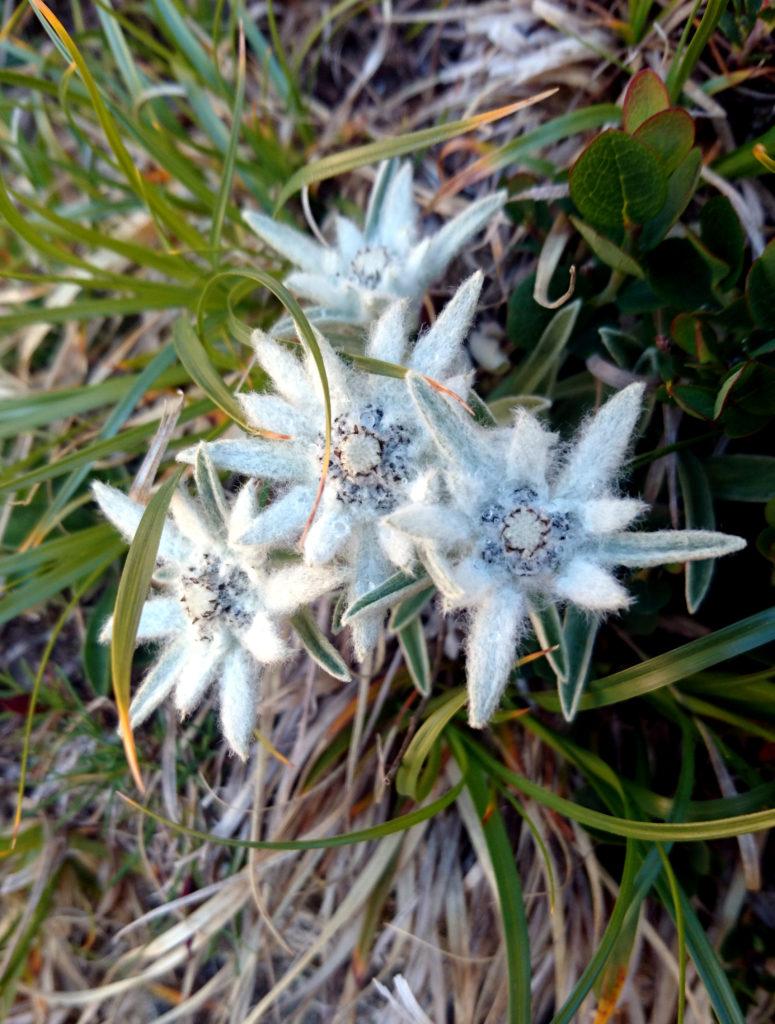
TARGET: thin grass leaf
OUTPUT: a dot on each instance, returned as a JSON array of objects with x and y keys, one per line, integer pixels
[
  {"x": 686, "y": 59},
  {"x": 227, "y": 173},
  {"x": 567, "y": 1014},
  {"x": 132, "y": 591},
  {"x": 386, "y": 828},
  {"x": 513, "y": 919},
  {"x": 413, "y": 776},
  {"x": 719, "y": 828},
  {"x": 194, "y": 358},
  {"x": 680, "y": 928},
  {"x": 374, "y": 152}
]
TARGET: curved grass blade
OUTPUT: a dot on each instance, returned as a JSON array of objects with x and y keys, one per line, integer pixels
[
  {"x": 194, "y": 358},
  {"x": 387, "y": 828},
  {"x": 544, "y": 360},
  {"x": 719, "y": 828},
  {"x": 512, "y": 905},
  {"x": 412, "y": 776},
  {"x": 374, "y": 152},
  {"x": 132, "y": 591},
  {"x": 227, "y": 173}
]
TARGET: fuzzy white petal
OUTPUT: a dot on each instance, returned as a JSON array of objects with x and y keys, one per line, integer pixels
[
  {"x": 262, "y": 638},
  {"x": 398, "y": 218},
  {"x": 239, "y": 694},
  {"x": 604, "y": 515},
  {"x": 125, "y": 514},
  {"x": 461, "y": 441},
  {"x": 365, "y": 632},
  {"x": 431, "y": 522},
  {"x": 281, "y": 522},
  {"x": 349, "y": 238},
  {"x": 337, "y": 374},
  {"x": 285, "y": 368},
  {"x": 254, "y": 457},
  {"x": 662, "y": 547},
  {"x": 157, "y": 685},
  {"x": 296, "y": 247},
  {"x": 270, "y": 412},
  {"x": 451, "y": 239},
  {"x": 388, "y": 336},
  {"x": 491, "y": 651},
  {"x": 323, "y": 289},
  {"x": 190, "y": 521},
  {"x": 328, "y": 534},
  {"x": 398, "y": 547},
  {"x": 161, "y": 616},
  {"x": 439, "y": 350},
  {"x": 287, "y": 589},
  {"x": 529, "y": 451},
  {"x": 203, "y": 658},
  {"x": 586, "y": 584},
  {"x": 597, "y": 455}
]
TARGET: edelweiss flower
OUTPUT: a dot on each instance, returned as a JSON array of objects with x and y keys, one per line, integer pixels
[
  {"x": 369, "y": 268},
  {"x": 379, "y": 448},
  {"x": 220, "y": 613},
  {"x": 520, "y": 523}
]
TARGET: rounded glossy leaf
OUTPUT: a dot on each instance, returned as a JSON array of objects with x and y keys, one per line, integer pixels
[
  {"x": 646, "y": 95},
  {"x": 670, "y": 134},
  {"x": 618, "y": 181}
]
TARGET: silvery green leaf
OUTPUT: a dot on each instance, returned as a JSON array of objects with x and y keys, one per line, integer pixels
[
  {"x": 411, "y": 637},
  {"x": 599, "y": 452},
  {"x": 157, "y": 685},
  {"x": 579, "y": 632},
  {"x": 459, "y": 439},
  {"x": 410, "y": 609},
  {"x": 211, "y": 497},
  {"x": 295, "y": 246},
  {"x": 496, "y": 624},
  {"x": 396, "y": 588},
  {"x": 547, "y": 626},
  {"x": 545, "y": 358},
  {"x": 319, "y": 648},
  {"x": 385, "y": 173},
  {"x": 451, "y": 239},
  {"x": 239, "y": 693},
  {"x": 699, "y": 514},
  {"x": 438, "y": 350},
  {"x": 662, "y": 547},
  {"x": 255, "y": 457}
]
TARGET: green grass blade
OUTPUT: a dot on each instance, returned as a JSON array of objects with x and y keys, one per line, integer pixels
[{"x": 132, "y": 591}]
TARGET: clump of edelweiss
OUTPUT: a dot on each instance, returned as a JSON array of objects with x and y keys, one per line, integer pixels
[
  {"x": 379, "y": 451},
  {"x": 220, "y": 613},
  {"x": 368, "y": 268},
  {"x": 517, "y": 520}
]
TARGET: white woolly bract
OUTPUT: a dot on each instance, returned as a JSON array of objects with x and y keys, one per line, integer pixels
[
  {"x": 379, "y": 452},
  {"x": 221, "y": 612},
  {"x": 516, "y": 520},
  {"x": 365, "y": 269}
]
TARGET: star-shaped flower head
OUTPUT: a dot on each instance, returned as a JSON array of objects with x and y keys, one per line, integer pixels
[
  {"x": 520, "y": 522},
  {"x": 379, "y": 449},
  {"x": 367, "y": 268},
  {"x": 219, "y": 614}
]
